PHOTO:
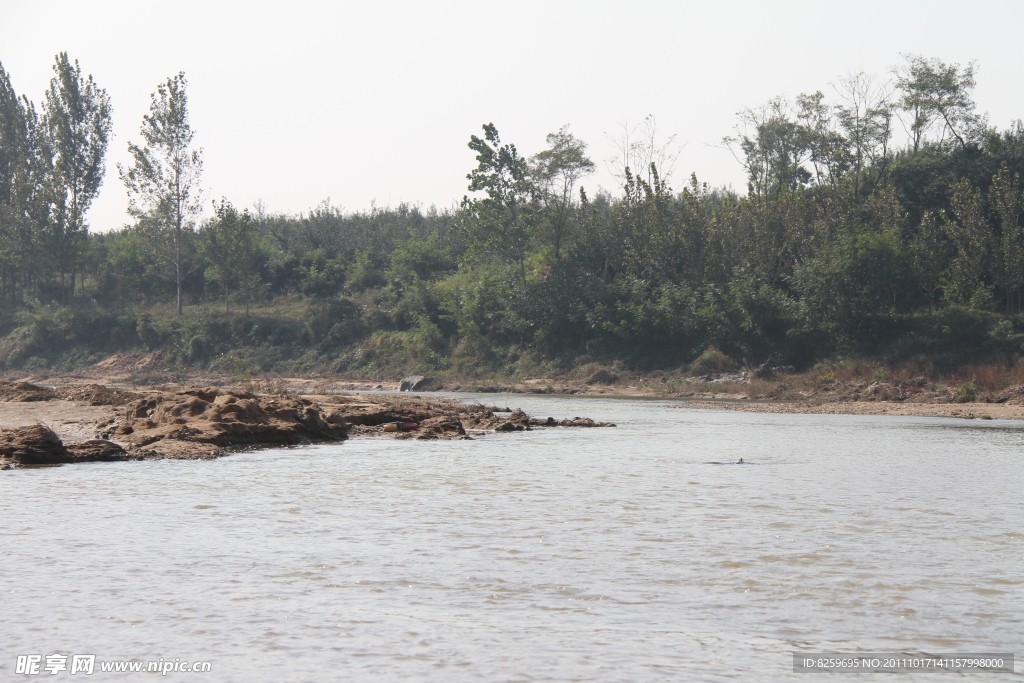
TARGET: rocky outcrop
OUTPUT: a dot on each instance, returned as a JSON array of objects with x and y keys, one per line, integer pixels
[
  {"x": 22, "y": 392},
  {"x": 89, "y": 394},
  {"x": 97, "y": 395},
  {"x": 95, "y": 450},
  {"x": 518, "y": 421},
  {"x": 39, "y": 445},
  {"x": 419, "y": 383},
  {"x": 602, "y": 377},
  {"x": 218, "y": 418},
  {"x": 32, "y": 445},
  {"x": 574, "y": 422},
  {"x": 440, "y": 427},
  {"x": 203, "y": 423}
]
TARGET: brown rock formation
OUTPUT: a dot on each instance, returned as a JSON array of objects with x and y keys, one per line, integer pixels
[
  {"x": 216, "y": 418},
  {"x": 32, "y": 445},
  {"x": 202, "y": 423},
  {"x": 602, "y": 376},
  {"x": 23, "y": 392},
  {"x": 39, "y": 445}
]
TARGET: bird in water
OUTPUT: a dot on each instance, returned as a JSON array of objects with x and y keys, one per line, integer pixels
[{"x": 740, "y": 461}]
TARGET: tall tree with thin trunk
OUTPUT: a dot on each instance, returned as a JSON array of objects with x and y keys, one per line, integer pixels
[
  {"x": 76, "y": 120},
  {"x": 501, "y": 221},
  {"x": 13, "y": 148},
  {"x": 163, "y": 180},
  {"x": 557, "y": 170}
]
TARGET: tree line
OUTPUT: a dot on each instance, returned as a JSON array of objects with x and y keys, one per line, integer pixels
[{"x": 883, "y": 219}]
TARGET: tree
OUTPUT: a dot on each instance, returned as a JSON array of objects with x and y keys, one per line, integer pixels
[
  {"x": 930, "y": 255},
  {"x": 232, "y": 245},
  {"x": 933, "y": 92},
  {"x": 13, "y": 151},
  {"x": 76, "y": 119},
  {"x": 774, "y": 148},
  {"x": 26, "y": 216},
  {"x": 970, "y": 235},
  {"x": 499, "y": 222},
  {"x": 866, "y": 121},
  {"x": 826, "y": 148},
  {"x": 556, "y": 171},
  {"x": 13, "y": 136},
  {"x": 1008, "y": 204},
  {"x": 163, "y": 180},
  {"x": 641, "y": 151}
]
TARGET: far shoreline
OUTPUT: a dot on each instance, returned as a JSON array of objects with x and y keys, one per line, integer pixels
[{"x": 813, "y": 392}]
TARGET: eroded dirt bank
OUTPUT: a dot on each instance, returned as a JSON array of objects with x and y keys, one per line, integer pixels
[{"x": 41, "y": 425}]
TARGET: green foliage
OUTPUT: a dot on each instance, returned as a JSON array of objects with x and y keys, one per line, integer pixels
[
  {"x": 965, "y": 392},
  {"x": 163, "y": 180},
  {"x": 844, "y": 244},
  {"x": 364, "y": 273},
  {"x": 501, "y": 224},
  {"x": 333, "y": 322},
  {"x": 857, "y": 288},
  {"x": 712, "y": 360},
  {"x": 416, "y": 260},
  {"x": 236, "y": 253}
]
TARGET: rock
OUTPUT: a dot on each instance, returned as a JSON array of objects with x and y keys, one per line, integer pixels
[
  {"x": 419, "y": 383},
  {"x": 519, "y": 421},
  {"x": 97, "y": 395},
  {"x": 763, "y": 371},
  {"x": 39, "y": 445},
  {"x": 224, "y": 417},
  {"x": 22, "y": 392},
  {"x": 583, "y": 422},
  {"x": 602, "y": 376},
  {"x": 441, "y": 427},
  {"x": 32, "y": 445},
  {"x": 96, "y": 450}
]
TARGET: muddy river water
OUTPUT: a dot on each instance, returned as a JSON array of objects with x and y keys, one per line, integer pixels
[{"x": 622, "y": 554}]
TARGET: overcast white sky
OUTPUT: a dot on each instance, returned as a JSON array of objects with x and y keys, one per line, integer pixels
[{"x": 298, "y": 101}]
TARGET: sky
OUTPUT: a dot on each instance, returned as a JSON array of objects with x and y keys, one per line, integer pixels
[{"x": 374, "y": 103}]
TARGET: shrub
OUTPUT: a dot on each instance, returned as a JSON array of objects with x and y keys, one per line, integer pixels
[{"x": 712, "y": 360}]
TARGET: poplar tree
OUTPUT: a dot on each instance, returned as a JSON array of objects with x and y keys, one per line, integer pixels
[
  {"x": 76, "y": 122},
  {"x": 163, "y": 180},
  {"x": 13, "y": 138}
]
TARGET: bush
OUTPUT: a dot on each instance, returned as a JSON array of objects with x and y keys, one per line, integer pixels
[{"x": 712, "y": 360}]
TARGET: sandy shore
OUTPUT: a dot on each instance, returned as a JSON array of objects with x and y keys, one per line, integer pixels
[
  {"x": 70, "y": 420},
  {"x": 969, "y": 411},
  {"x": 781, "y": 393}
]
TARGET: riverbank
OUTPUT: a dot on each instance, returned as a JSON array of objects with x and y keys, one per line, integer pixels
[
  {"x": 42, "y": 425},
  {"x": 968, "y": 411},
  {"x": 104, "y": 413},
  {"x": 838, "y": 382}
]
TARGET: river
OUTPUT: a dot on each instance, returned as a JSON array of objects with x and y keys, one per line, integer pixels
[{"x": 620, "y": 554}]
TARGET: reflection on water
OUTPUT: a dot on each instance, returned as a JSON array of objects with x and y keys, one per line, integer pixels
[{"x": 607, "y": 554}]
